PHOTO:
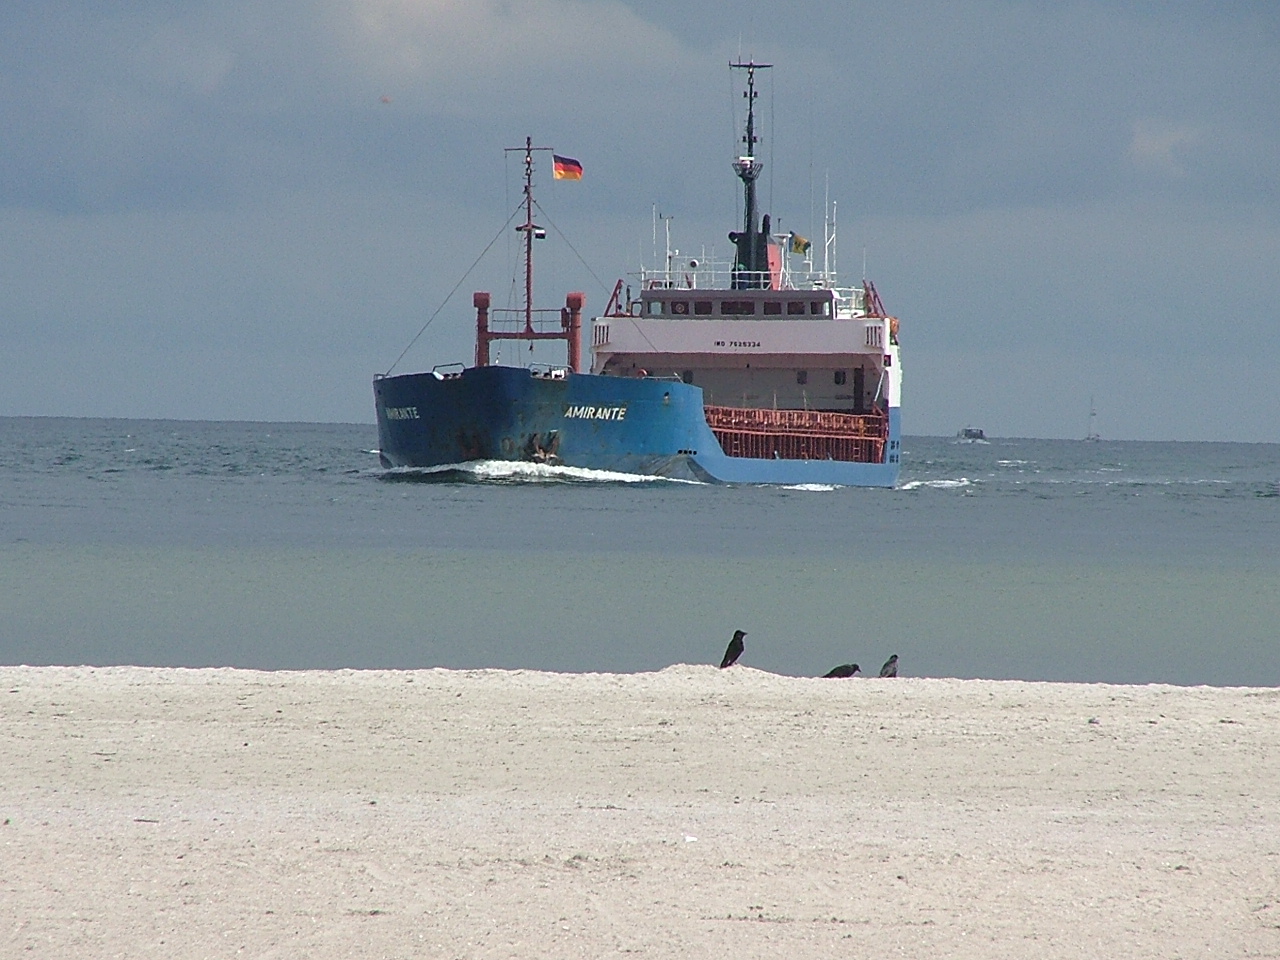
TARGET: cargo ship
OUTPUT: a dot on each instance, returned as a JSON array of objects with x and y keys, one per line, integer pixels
[{"x": 757, "y": 370}]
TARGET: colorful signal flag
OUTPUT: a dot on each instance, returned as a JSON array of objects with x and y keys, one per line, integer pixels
[
  {"x": 566, "y": 168},
  {"x": 799, "y": 244}
]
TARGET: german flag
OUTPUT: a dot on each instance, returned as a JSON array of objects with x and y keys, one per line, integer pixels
[{"x": 566, "y": 168}]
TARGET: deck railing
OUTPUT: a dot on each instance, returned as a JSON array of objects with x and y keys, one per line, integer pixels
[
  {"x": 799, "y": 434},
  {"x": 720, "y": 274}
]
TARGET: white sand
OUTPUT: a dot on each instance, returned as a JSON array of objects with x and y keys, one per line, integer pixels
[{"x": 216, "y": 813}]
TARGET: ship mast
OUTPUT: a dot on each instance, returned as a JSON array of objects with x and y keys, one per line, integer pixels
[
  {"x": 570, "y": 317},
  {"x": 751, "y": 264},
  {"x": 529, "y": 228}
]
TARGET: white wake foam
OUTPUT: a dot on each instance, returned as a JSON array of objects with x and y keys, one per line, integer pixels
[
  {"x": 937, "y": 484},
  {"x": 522, "y": 471}
]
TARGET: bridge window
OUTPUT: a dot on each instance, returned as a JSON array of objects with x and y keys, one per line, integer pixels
[
  {"x": 840, "y": 377},
  {"x": 687, "y": 376},
  {"x": 819, "y": 307},
  {"x": 702, "y": 307},
  {"x": 738, "y": 307},
  {"x": 653, "y": 307},
  {"x": 772, "y": 306},
  {"x": 802, "y": 377},
  {"x": 795, "y": 307},
  {"x": 680, "y": 307}
]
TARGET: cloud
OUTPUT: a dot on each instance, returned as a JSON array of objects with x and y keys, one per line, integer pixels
[
  {"x": 165, "y": 104},
  {"x": 188, "y": 183},
  {"x": 490, "y": 57},
  {"x": 1157, "y": 145}
]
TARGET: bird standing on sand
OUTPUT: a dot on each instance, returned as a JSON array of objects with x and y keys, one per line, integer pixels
[
  {"x": 844, "y": 670},
  {"x": 890, "y": 668},
  {"x": 734, "y": 651}
]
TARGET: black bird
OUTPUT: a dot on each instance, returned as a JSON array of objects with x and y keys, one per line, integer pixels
[
  {"x": 890, "y": 668},
  {"x": 844, "y": 670},
  {"x": 732, "y": 654}
]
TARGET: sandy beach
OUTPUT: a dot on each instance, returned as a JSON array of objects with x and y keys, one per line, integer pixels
[{"x": 685, "y": 813}]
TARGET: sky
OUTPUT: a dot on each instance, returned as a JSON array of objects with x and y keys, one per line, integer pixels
[{"x": 244, "y": 211}]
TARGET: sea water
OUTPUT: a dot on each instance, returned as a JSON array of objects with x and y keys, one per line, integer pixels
[{"x": 285, "y": 546}]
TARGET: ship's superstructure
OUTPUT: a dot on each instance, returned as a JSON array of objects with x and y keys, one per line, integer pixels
[{"x": 805, "y": 356}]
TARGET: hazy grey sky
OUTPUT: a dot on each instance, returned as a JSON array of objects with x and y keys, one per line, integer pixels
[{"x": 243, "y": 210}]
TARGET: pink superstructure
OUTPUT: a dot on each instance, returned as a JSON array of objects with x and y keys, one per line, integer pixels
[{"x": 791, "y": 364}]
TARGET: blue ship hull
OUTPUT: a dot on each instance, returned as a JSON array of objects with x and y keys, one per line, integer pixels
[{"x": 642, "y": 426}]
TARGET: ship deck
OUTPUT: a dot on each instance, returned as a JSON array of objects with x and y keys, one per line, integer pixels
[{"x": 799, "y": 434}]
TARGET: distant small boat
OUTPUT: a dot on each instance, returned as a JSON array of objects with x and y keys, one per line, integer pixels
[
  {"x": 971, "y": 435},
  {"x": 1092, "y": 435}
]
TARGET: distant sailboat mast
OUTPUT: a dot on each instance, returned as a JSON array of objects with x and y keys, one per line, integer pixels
[{"x": 1092, "y": 433}]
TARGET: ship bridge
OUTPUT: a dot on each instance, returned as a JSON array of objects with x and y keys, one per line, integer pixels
[{"x": 815, "y": 348}]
